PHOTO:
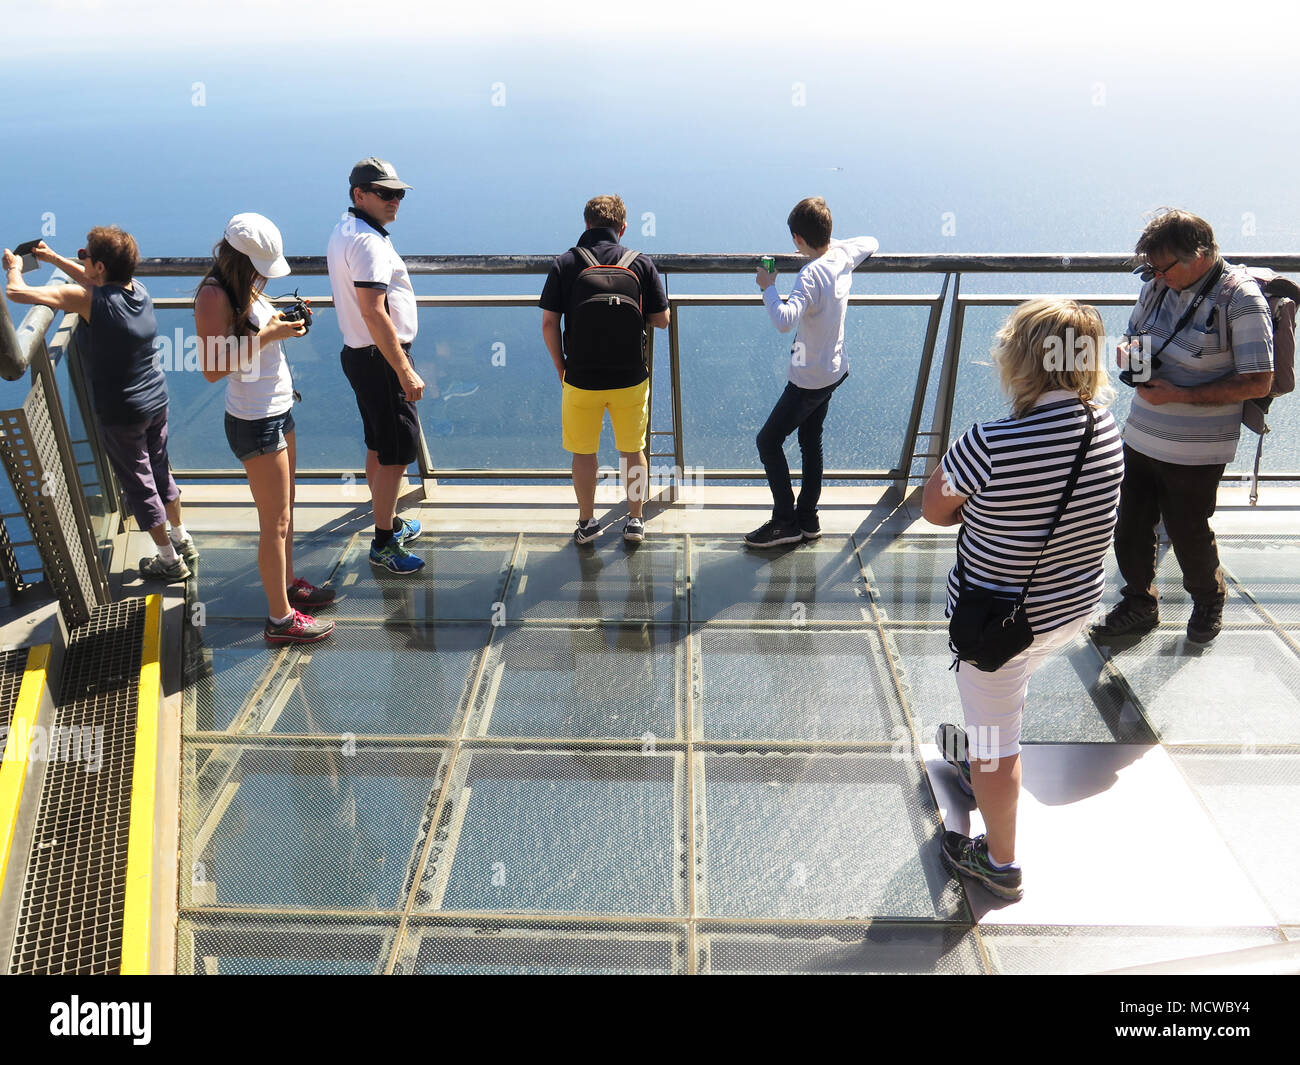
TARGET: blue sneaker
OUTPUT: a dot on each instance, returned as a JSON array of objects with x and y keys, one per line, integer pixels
[
  {"x": 951, "y": 742},
  {"x": 408, "y": 530},
  {"x": 396, "y": 559}
]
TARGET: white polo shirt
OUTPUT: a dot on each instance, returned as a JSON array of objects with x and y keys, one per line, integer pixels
[{"x": 361, "y": 255}]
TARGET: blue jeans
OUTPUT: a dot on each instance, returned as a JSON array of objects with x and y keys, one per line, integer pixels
[
  {"x": 803, "y": 409},
  {"x": 265, "y": 436}
]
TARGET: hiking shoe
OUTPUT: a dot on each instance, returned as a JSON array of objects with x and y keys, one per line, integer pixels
[
  {"x": 298, "y": 629},
  {"x": 395, "y": 558},
  {"x": 970, "y": 857},
  {"x": 454, "y": 389},
  {"x": 773, "y": 533},
  {"x": 1205, "y": 622},
  {"x": 1127, "y": 619},
  {"x": 186, "y": 549},
  {"x": 586, "y": 531},
  {"x": 951, "y": 742},
  {"x": 634, "y": 530},
  {"x": 810, "y": 527},
  {"x": 154, "y": 568},
  {"x": 303, "y": 593},
  {"x": 408, "y": 530}
]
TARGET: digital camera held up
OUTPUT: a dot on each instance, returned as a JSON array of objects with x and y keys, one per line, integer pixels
[
  {"x": 1142, "y": 362},
  {"x": 299, "y": 312}
]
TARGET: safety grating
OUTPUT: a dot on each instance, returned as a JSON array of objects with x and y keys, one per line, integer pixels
[
  {"x": 30, "y": 452},
  {"x": 12, "y": 664},
  {"x": 219, "y": 944},
  {"x": 71, "y": 913},
  {"x": 878, "y": 948},
  {"x": 787, "y": 585}
]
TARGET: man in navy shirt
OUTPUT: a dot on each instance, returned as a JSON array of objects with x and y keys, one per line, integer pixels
[{"x": 608, "y": 372}]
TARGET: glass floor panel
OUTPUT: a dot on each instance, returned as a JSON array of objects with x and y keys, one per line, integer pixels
[
  {"x": 1072, "y": 698},
  {"x": 882, "y": 948},
  {"x": 612, "y": 681},
  {"x": 1244, "y": 688},
  {"x": 238, "y": 945},
  {"x": 1081, "y": 949},
  {"x": 1269, "y": 571},
  {"x": 463, "y": 579},
  {"x": 227, "y": 583},
  {"x": 556, "y": 580},
  {"x": 791, "y": 585},
  {"x": 303, "y": 827},
  {"x": 825, "y": 685},
  {"x": 503, "y": 948},
  {"x": 909, "y": 575},
  {"x": 560, "y": 832},
  {"x": 394, "y": 679},
  {"x": 822, "y": 836},
  {"x": 1253, "y": 798},
  {"x": 1175, "y": 603}
]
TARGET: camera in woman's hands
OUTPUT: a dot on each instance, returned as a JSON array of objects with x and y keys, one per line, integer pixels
[{"x": 299, "y": 312}]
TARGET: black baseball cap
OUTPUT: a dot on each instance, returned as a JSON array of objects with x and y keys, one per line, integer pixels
[{"x": 374, "y": 171}]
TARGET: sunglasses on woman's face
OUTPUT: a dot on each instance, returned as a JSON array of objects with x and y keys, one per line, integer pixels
[{"x": 387, "y": 194}]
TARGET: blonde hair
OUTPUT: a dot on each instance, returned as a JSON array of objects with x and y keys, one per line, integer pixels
[{"x": 1049, "y": 344}]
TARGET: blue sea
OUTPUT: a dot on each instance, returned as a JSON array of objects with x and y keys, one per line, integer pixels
[{"x": 1007, "y": 128}]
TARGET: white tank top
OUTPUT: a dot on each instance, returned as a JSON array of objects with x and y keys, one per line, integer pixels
[{"x": 267, "y": 388}]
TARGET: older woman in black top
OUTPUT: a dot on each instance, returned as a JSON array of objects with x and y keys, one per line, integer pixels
[{"x": 130, "y": 393}]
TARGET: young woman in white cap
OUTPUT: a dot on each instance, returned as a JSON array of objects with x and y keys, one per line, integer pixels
[{"x": 230, "y": 304}]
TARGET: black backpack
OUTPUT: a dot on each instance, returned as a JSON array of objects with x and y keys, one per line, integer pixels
[
  {"x": 1283, "y": 297},
  {"x": 604, "y": 322}
]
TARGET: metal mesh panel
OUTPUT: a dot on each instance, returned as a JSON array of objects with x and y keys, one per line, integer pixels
[
  {"x": 1269, "y": 571},
  {"x": 554, "y": 579},
  {"x": 1073, "y": 697},
  {"x": 821, "y": 836},
  {"x": 1242, "y": 689},
  {"x": 909, "y": 575},
  {"x": 614, "y": 681},
  {"x": 70, "y": 919},
  {"x": 216, "y": 944},
  {"x": 9, "y": 566},
  {"x": 1054, "y": 949},
  {"x": 394, "y": 679},
  {"x": 298, "y": 826},
  {"x": 463, "y": 579},
  {"x": 559, "y": 832},
  {"x": 228, "y": 585},
  {"x": 934, "y": 949},
  {"x": 811, "y": 583},
  {"x": 1254, "y": 800},
  {"x": 516, "y": 947},
  {"x": 30, "y": 452},
  {"x": 800, "y": 685},
  {"x": 12, "y": 664}
]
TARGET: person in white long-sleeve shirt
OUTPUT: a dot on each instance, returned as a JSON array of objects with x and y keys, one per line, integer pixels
[{"x": 818, "y": 365}]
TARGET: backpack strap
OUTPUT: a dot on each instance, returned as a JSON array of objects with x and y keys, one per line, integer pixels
[
  {"x": 587, "y": 257},
  {"x": 1231, "y": 280},
  {"x": 627, "y": 259}
]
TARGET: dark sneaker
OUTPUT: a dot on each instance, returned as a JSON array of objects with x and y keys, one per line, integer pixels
[
  {"x": 1206, "y": 621},
  {"x": 186, "y": 549},
  {"x": 407, "y": 531},
  {"x": 951, "y": 742},
  {"x": 810, "y": 527},
  {"x": 773, "y": 534},
  {"x": 1127, "y": 619},
  {"x": 298, "y": 629},
  {"x": 586, "y": 531},
  {"x": 634, "y": 530},
  {"x": 303, "y": 593},
  {"x": 154, "y": 568},
  {"x": 970, "y": 857},
  {"x": 395, "y": 558}
]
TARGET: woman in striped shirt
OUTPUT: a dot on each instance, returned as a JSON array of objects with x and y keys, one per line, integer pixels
[{"x": 1002, "y": 481}]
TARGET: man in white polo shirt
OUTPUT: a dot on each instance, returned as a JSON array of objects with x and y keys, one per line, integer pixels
[{"x": 377, "y": 316}]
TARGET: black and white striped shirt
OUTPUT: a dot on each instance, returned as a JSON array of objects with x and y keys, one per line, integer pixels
[{"x": 1014, "y": 472}]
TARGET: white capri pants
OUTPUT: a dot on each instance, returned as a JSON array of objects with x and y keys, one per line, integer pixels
[{"x": 993, "y": 703}]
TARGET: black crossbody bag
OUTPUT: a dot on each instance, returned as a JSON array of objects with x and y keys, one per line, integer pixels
[{"x": 987, "y": 628}]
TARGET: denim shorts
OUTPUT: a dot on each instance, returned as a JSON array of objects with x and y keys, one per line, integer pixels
[{"x": 265, "y": 436}]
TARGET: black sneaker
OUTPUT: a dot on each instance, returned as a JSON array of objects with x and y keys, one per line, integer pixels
[
  {"x": 1127, "y": 619},
  {"x": 773, "y": 534},
  {"x": 951, "y": 742},
  {"x": 634, "y": 530},
  {"x": 1206, "y": 621},
  {"x": 586, "y": 531},
  {"x": 810, "y": 527},
  {"x": 970, "y": 857}
]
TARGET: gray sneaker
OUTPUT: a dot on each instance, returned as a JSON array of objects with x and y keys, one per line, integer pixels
[
  {"x": 153, "y": 568},
  {"x": 186, "y": 549}
]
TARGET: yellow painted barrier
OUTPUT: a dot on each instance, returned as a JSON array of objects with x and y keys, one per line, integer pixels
[{"x": 13, "y": 770}]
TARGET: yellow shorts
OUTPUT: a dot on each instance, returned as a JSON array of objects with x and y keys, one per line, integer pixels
[{"x": 583, "y": 411}]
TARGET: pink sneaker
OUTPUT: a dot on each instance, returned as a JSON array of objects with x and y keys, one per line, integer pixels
[
  {"x": 303, "y": 593},
  {"x": 298, "y": 629}
]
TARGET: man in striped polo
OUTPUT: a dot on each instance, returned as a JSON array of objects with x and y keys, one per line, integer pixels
[{"x": 1185, "y": 420}]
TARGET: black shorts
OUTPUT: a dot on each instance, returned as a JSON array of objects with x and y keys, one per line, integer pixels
[{"x": 391, "y": 424}]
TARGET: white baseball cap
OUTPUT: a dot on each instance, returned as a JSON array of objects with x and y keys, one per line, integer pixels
[{"x": 256, "y": 236}]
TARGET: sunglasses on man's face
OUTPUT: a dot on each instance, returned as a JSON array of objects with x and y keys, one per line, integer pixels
[{"x": 387, "y": 194}]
